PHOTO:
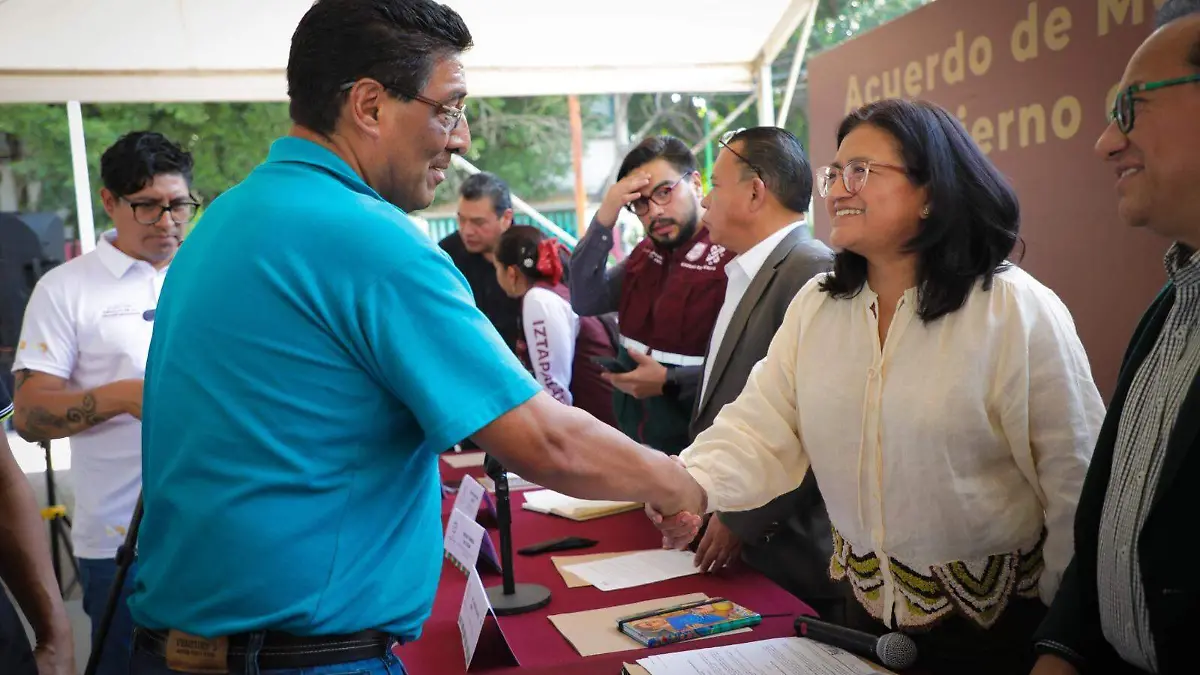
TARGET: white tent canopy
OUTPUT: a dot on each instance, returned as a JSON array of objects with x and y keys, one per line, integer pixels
[{"x": 236, "y": 50}]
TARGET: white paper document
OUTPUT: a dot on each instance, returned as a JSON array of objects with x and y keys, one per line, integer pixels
[
  {"x": 463, "y": 460},
  {"x": 636, "y": 569},
  {"x": 463, "y": 538},
  {"x": 549, "y": 501},
  {"x": 777, "y": 656},
  {"x": 472, "y": 614},
  {"x": 470, "y": 496}
]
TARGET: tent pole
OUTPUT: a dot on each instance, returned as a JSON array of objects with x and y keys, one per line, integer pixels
[
  {"x": 83, "y": 187},
  {"x": 797, "y": 61},
  {"x": 766, "y": 96}
]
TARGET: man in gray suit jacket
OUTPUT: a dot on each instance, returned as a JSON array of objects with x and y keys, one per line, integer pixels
[{"x": 761, "y": 187}]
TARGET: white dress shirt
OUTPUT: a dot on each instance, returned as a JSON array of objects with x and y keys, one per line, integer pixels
[
  {"x": 89, "y": 321},
  {"x": 741, "y": 270},
  {"x": 953, "y": 441}
]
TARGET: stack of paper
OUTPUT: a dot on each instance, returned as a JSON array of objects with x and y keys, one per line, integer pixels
[
  {"x": 793, "y": 655},
  {"x": 635, "y": 569},
  {"x": 549, "y": 501}
]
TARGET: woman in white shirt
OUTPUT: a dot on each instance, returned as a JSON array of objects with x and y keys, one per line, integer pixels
[
  {"x": 557, "y": 346},
  {"x": 940, "y": 395}
]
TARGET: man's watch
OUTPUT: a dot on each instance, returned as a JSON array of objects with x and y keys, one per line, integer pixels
[{"x": 671, "y": 386}]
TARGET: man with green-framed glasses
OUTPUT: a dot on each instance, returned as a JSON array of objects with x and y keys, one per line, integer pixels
[{"x": 1128, "y": 601}]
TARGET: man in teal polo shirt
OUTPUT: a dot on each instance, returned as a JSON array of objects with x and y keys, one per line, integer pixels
[{"x": 313, "y": 352}]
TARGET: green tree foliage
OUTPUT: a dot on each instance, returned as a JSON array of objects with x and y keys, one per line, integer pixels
[
  {"x": 227, "y": 140},
  {"x": 836, "y": 22}
]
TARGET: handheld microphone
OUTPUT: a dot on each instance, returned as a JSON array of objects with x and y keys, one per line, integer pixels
[{"x": 892, "y": 650}]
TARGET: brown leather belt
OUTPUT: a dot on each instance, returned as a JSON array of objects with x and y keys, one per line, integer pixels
[{"x": 283, "y": 650}]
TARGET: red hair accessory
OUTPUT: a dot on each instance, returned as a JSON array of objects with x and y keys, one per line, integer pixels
[{"x": 549, "y": 264}]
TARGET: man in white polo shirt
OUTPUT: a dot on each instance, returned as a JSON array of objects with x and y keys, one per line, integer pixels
[{"x": 82, "y": 357}]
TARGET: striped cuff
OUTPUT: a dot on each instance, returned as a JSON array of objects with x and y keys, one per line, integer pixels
[{"x": 1062, "y": 651}]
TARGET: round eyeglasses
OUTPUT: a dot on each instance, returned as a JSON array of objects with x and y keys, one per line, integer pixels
[
  {"x": 854, "y": 175},
  {"x": 661, "y": 196}
]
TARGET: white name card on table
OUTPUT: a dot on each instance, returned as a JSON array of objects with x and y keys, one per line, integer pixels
[
  {"x": 480, "y": 630},
  {"x": 472, "y": 615},
  {"x": 463, "y": 538},
  {"x": 636, "y": 569},
  {"x": 470, "y": 496},
  {"x": 792, "y": 655}
]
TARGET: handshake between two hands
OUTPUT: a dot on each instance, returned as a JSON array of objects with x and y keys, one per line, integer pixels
[{"x": 678, "y": 529}]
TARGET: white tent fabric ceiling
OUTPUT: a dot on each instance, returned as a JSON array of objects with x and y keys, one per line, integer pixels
[{"x": 236, "y": 50}]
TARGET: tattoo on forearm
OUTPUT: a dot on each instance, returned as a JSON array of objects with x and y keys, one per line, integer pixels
[
  {"x": 39, "y": 424},
  {"x": 20, "y": 378}
]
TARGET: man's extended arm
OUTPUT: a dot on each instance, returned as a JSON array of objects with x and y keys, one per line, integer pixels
[
  {"x": 26, "y": 568},
  {"x": 46, "y": 408},
  {"x": 568, "y": 450}
]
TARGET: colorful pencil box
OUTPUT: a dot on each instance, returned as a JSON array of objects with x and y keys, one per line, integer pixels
[{"x": 686, "y": 622}]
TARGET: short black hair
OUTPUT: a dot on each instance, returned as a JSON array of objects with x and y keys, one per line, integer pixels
[
  {"x": 673, "y": 150},
  {"x": 396, "y": 42},
  {"x": 1173, "y": 10},
  {"x": 484, "y": 184},
  {"x": 781, "y": 163},
  {"x": 974, "y": 217},
  {"x": 130, "y": 164}
]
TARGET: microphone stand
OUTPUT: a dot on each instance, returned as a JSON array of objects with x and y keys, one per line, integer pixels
[
  {"x": 510, "y": 597},
  {"x": 126, "y": 554}
]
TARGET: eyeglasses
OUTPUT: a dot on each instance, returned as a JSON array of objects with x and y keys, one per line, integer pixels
[
  {"x": 726, "y": 139},
  {"x": 661, "y": 196},
  {"x": 854, "y": 175},
  {"x": 1123, "y": 109},
  {"x": 149, "y": 213},
  {"x": 449, "y": 115}
]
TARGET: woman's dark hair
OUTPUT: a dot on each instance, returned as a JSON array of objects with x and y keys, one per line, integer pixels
[
  {"x": 974, "y": 217},
  {"x": 522, "y": 246}
]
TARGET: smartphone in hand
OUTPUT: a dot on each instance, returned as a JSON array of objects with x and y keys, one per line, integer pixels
[{"x": 611, "y": 364}]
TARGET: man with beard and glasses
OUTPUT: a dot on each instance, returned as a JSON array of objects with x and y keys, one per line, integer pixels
[
  {"x": 313, "y": 354},
  {"x": 667, "y": 293}
]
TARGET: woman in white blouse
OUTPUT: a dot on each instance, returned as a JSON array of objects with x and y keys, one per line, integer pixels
[
  {"x": 556, "y": 345},
  {"x": 940, "y": 395}
]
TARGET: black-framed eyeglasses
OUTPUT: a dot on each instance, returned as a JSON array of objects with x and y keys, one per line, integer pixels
[
  {"x": 149, "y": 213},
  {"x": 1122, "y": 113},
  {"x": 661, "y": 196},
  {"x": 727, "y": 138},
  {"x": 854, "y": 175},
  {"x": 448, "y": 114}
]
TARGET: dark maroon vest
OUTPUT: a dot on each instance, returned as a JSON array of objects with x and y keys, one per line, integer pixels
[{"x": 670, "y": 297}]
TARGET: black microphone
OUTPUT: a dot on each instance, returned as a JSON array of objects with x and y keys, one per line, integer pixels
[{"x": 892, "y": 650}]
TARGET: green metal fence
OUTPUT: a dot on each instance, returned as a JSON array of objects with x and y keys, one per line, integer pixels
[{"x": 564, "y": 218}]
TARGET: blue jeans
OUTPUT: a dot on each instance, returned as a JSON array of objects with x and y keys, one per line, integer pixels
[
  {"x": 145, "y": 663},
  {"x": 96, "y": 576}
]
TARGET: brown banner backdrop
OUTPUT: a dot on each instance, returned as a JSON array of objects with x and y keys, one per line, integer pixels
[{"x": 1031, "y": 81}]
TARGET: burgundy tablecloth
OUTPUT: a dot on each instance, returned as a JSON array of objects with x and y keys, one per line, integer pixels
[{"x": 538, "y": 645}]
